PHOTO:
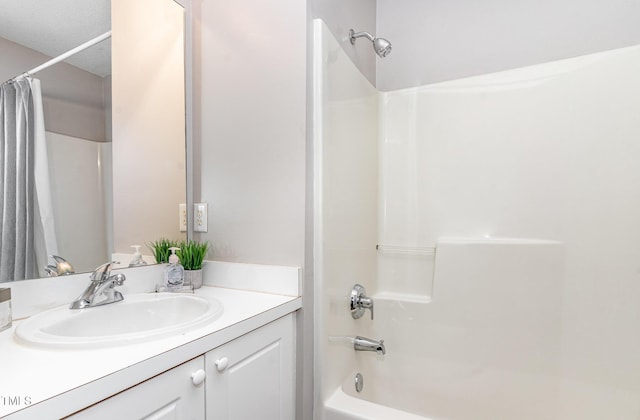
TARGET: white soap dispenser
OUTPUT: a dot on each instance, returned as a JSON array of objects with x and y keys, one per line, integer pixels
[
  {"x": 137, "y": 259},
  {"x": 174, "y": 273}
]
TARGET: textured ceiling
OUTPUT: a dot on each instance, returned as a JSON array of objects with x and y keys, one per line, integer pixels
[{"x": 53, "y": 27}]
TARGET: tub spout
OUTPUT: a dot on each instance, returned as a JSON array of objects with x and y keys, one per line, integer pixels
[{"x": 367, "y": 344}]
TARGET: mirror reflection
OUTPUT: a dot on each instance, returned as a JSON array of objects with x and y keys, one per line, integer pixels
[{"x": 112, "y": 173}]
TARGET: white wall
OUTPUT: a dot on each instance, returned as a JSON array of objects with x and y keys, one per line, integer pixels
[
  {"x": 437, "y": 40},
  {"x": 516, "y": 153},
  {"x": 545, "y": 152},
  {"x": 148, "y": 123}
]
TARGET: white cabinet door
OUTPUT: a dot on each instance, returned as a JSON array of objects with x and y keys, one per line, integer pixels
[
  {"x": 251, "y": 377},
  {"x": 175, "y": 394}
]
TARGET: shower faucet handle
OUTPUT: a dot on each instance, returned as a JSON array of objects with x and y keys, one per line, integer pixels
[{"x": 359, "y": 302}]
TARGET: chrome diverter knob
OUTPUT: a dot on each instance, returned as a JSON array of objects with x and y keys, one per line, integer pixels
[{"x": 359, "y": 302}]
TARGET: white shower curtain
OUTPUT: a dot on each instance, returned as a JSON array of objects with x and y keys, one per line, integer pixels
[
  {"x": 27, "y": 233},
  {"x": 45, "y": 231}
]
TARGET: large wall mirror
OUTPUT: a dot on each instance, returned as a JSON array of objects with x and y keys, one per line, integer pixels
[{"x": 114, "y": 119}]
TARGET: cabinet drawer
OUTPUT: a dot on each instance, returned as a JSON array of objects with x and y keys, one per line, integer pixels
[{"x": 170, "y": 395}]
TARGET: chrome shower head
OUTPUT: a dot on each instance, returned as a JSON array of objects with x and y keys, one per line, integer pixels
[{"x": 381, "y": 46}]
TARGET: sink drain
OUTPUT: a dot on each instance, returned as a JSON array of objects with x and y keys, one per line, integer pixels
[{"x": 359, "y": 382}]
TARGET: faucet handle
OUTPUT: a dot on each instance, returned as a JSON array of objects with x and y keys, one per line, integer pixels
[
  {"x": 102, "y": 273},
  {"x": 51, "y": 271},
  {"x": 359, "y": 302},
  {"x": 367, "y": 303},
  {"x": 61, "y": 266},
  {"x": 118, "y": 279}
]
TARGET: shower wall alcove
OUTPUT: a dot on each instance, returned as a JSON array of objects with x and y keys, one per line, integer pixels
[{"x": 505, "y": 209}]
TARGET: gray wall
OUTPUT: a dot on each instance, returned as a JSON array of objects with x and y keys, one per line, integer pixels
[
  {"x": 253, "y": 96},
  {"x": 72, "y": 98},
  {"x": 436, "y": 40},
  {"x": 359, "y": 15}
]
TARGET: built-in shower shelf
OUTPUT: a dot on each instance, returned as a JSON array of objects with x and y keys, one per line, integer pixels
[
  {"x": 405, "y": 273},
  {"x": 406, "y": 250},
  {"x": 402, "y": 297}
]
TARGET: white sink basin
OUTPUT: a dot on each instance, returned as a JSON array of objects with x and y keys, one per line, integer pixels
[{"x": 139, "y": 317}]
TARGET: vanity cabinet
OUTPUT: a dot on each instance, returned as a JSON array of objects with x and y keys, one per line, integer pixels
[
  {"x": 252, "y": 376},
  {"x": 175, "y": 394}
]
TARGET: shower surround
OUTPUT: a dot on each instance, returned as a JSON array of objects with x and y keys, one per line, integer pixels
[{"x": 505, "y": 209}]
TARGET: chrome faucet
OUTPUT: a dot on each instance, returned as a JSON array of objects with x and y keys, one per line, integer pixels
[
  {"x": 367, "y": 344},
  {"x": 359, "y": 302},
  {"x": 62, "y": 267},
  {"x": 101, "y": 290}
]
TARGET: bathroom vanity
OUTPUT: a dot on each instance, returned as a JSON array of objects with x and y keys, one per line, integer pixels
[
  {"x": 238, "y": 366},
  {"x": 251, "y": 377}
]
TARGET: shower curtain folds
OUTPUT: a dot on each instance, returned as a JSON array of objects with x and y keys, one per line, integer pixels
[
  {"x": 21, "y": 230},
  {"x": 17, "y": 189}
]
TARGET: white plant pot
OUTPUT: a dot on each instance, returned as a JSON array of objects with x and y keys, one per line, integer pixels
[{"x": 193, "y": 277}]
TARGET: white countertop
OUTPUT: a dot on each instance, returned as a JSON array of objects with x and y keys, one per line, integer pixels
[{"x": 51, "y": 383}]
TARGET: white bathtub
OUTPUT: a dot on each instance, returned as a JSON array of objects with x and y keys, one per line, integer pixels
[
  {"x": 342, "y": 406},
  {"x": 346, "y": 404},
  {"x": 401, "y": 387},
  {"x": 405, "y": 387}
]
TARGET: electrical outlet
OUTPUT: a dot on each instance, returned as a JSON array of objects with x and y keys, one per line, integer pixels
[
  {"x": 183, "y": 217},
  {"x": 200, "y": 214}
]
